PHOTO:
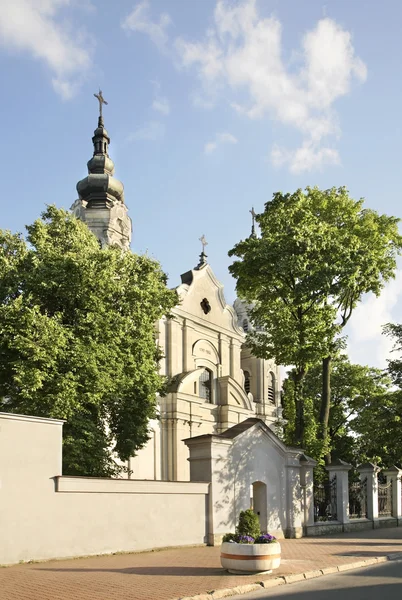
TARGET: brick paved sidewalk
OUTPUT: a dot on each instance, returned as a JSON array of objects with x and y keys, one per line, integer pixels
[{"x": 175, "y": 573}]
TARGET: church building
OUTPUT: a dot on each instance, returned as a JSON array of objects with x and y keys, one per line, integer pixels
[{"x": 215, "y": 382}]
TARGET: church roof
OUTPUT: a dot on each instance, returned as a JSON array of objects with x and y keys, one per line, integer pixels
[{"x": 236, "y": 430}]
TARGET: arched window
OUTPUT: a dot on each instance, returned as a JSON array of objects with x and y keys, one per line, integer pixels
[
  {"x": 205, "y": 385},
  {"x": 271, "y": 388},
  {"x": 247, "y": 382},
  {"x": 245, "y": 325}
]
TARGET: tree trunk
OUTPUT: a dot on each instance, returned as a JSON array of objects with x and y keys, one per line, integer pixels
[
  {"x": 325, "y": 402},
  {"x": 299, "y": 429}
]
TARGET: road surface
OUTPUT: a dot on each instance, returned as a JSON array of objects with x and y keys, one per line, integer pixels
[{"x": 381, "y": 582}]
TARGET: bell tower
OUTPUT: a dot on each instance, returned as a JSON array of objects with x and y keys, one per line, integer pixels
[{"x": 100, "y": 201}]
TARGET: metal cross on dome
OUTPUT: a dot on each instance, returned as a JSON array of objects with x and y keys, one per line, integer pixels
[{"x": 101, "y": 101}]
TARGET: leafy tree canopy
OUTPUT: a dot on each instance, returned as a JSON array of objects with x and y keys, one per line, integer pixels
[
  {"x": 318, "y": 253},
  {"x": 379, "y": 424},
  {"x": 77, "y": 338}
]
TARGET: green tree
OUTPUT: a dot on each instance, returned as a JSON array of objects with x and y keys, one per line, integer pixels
[
  {"x": 379, "y": 424},
  {"x": 380, "y": 431},
  {"x": 77, "y": 338},
  {"x": 318, "y": 253},
  {"x": 353, "y": 390}
]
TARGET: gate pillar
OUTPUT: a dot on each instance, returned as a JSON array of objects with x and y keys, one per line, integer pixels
[{"x": 341, "y": 469}]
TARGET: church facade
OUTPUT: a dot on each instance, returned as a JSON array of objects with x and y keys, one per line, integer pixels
[{"x": 215, "y": 382}]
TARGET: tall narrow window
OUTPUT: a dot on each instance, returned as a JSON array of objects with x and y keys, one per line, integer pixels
[
  {"x": 247, "y": 382},
  {"x": 205, "y": 385},
  {"x": 245, "y": 325},
  {"x": 271, "y": 388}
]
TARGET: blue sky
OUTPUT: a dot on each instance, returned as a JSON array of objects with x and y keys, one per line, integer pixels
[{"x": 213, "y": 106}]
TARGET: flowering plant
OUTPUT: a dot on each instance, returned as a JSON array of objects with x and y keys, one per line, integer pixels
[
  {"x": 248, "y": 531},
  {"x": 265, "y": 538},
  {"x": 235, "y": 538},
  {"x": 245, "y": 539}
]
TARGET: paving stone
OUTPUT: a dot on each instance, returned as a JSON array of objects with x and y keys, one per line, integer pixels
[
  {"x": 245, "y": 589},
  {"x": 354, "y": 565},
  {"x": 198, "y": 597},
  {"x": 189, "y": 572},
  {"x": 225, "y": 593},
  {"x": 329, "y": 570},
  {"x": 295, "y": 577},
  {"x": 312, "y": 574},
  {"x": 270, "y": 583}
]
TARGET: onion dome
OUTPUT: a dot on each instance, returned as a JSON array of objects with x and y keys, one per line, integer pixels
[{"x": 100, "y": 189}]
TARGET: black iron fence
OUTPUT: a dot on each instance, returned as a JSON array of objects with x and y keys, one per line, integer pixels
[
  {"x": 325, "y": 501},
  {"x": 358, "y": 500},
  {"x": 385, "y": 499}
]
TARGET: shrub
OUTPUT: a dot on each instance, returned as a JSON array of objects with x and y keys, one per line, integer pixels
[
  {"x": 229, "y": 537},
  {"x": 249, "y": 524},
  {"x": 248, "y": 531}
]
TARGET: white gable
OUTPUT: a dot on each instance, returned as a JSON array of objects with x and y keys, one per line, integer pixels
[{"x": 201, "y": 286}]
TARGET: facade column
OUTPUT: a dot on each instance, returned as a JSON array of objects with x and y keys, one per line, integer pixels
[
  {"x": 369, "y": 471},
  {"x": 341, "y": 470},
  {"x": 394, "y": 474},
  {"x": 186, "y": 330},
  {"x": 231, "y": 359}
]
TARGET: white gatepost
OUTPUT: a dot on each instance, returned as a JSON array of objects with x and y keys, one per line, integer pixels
[
  {"x": 368, "y": 471},
  {"x": 307, "y": 465},
  {"x": 341, "y": 469},
  {"x": 394, "y": 474}
]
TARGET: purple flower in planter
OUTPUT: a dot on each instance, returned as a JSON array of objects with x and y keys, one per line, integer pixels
[
  {"x": 265, "y": 538},
  {"x": 245, "y": 539}
]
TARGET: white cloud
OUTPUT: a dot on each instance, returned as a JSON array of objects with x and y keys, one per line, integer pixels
[
  {"x": 152, "y": 131},
  {"x": 160, "y": 103},
  {"x": 366, "y": 344},
  {"x": 140, "y": 20},
  {"x": 220, "y": 138},
  {"x": 244, "y": 52},
  {"x": 306, "y": 158},
  {"x": 32, "y": 26}
]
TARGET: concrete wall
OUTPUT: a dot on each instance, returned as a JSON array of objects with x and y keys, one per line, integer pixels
[{"x": 44, "y": 515}]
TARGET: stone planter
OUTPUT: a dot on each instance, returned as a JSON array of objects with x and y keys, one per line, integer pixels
[{"x": 250, "y": 558}]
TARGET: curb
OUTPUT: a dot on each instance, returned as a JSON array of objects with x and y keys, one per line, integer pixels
[{"x": 293, "y": 578}]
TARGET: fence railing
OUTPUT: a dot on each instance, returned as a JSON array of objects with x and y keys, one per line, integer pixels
[
  {"x": 358, "y": 500},
  {"x": 325, "y": 501},
  {"x": 385, "y": 499}
]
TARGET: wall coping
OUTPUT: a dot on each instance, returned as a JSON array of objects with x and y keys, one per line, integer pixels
[
  {"x": 31, "y": 418},
  {"x": 91, "y": 485},
  {"x": 338, "y": 468}
]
